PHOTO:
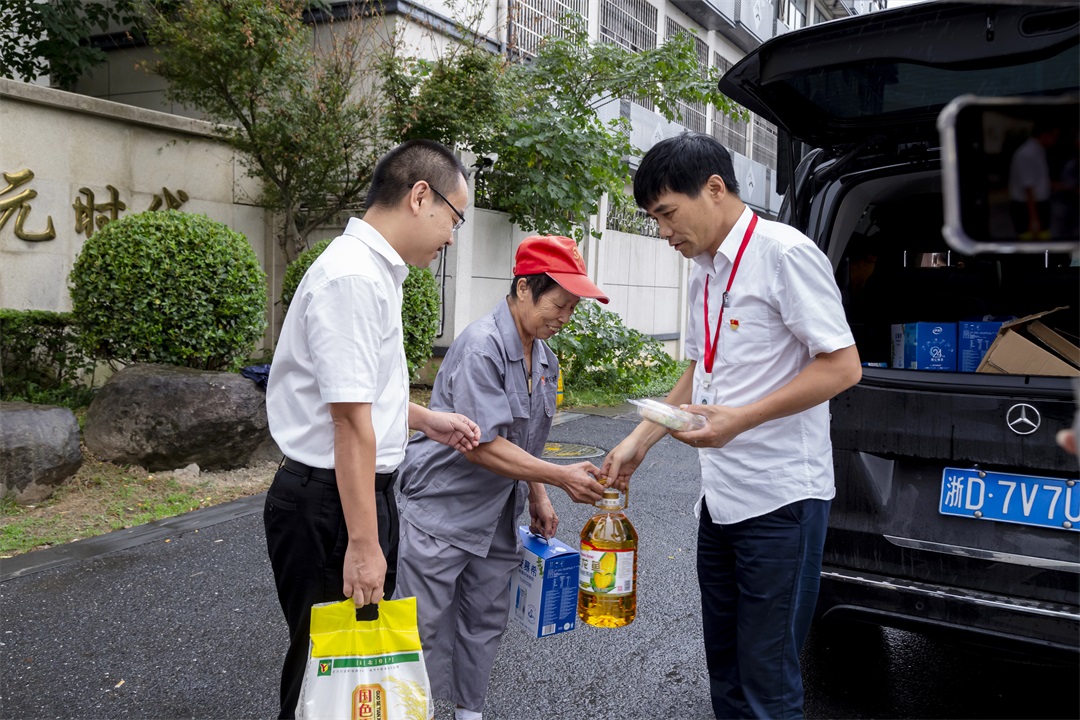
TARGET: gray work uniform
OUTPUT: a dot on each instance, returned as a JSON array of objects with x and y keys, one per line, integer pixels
[{"x": 459, "y": 543}]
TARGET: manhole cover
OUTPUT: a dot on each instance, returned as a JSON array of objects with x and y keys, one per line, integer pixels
[{"x": 562, "y": 451}]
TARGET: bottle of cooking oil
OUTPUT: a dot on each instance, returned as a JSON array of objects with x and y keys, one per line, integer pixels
[{"x": 607, "y": 580}]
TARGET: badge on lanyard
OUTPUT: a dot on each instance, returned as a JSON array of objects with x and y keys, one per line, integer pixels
[{"x": 705, "y": 394}]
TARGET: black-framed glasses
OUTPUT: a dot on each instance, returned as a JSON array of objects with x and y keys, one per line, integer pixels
[{"x": 461, "y": 218}]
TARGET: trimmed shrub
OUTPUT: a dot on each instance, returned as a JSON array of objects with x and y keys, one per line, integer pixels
[
  {"x": 419, "y": 317},
  {"x": 596, "y": 350},
  {"x": 295, "y": 272},
  {"x": 42, "y": 360},
  {"x": 419, "y": 308},
  {"x": 169, "y": 287}
]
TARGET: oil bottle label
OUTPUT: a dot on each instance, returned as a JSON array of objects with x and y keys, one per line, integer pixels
[{"x": 606, "y": 572}]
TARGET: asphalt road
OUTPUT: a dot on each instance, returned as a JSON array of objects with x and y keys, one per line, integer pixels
[{"x": 180, "y": 620}]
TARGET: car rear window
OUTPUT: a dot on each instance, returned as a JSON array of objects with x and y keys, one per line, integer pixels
[{"x": 889, "y": 89}]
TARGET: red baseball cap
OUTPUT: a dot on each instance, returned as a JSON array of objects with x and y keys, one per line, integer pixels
[{"x": 558, "y": 257}]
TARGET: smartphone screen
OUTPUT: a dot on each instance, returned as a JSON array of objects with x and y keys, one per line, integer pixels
[{"x": 1010, "y": 173}]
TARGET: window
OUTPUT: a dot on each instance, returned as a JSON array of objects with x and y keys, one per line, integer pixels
[
  {"x": 631, "y": 24},
  {"x": 730, "y": 132},
  {"x": 764, "y": 150},
  {"x": 533, "y": 20},
  {"x": 692, "y": 115},
  {"x": 792, "y": 13}
]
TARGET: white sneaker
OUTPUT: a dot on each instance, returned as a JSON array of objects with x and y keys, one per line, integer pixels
[{"x": 463, "y": 714}]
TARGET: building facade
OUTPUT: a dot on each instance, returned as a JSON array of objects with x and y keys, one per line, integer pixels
[
  {"x": 647, "y": 283},
  {"x": 723, "y": 30}
]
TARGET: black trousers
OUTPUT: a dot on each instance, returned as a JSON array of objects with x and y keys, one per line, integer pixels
[
  {"x": 1021, "y": 218},
  {"x": 306, "y": 539}
]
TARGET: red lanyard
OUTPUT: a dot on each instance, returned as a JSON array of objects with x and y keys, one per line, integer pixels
[{"x": 710, "y": 347}]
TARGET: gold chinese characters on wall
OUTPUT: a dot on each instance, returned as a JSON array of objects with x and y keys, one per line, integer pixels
[{"x": 90, "y": 214}]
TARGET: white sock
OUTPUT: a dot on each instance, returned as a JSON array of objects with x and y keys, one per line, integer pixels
[{"x": 463, "y": 714}]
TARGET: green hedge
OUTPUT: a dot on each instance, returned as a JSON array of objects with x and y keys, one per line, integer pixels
[
  {"x": 42, "y": 359},
  {"x": 169, "y": 287},
  {"x": 419, "y": 310},
  {"x": 597, "y": 350}
]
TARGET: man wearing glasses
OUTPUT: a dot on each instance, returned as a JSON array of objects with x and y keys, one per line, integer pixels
[
  {"x": 460, "y": 218},
  {"x": 337, "y": 400}
]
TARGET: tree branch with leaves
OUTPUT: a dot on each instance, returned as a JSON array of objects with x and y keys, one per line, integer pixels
[
  {"x": 556, "y": 156},
  {"x": 52, "y": 38},
  {"x": 293, "y": 98}
]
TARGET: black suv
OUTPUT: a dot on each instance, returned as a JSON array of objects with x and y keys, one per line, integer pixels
[{"x": 857, "y": 99}]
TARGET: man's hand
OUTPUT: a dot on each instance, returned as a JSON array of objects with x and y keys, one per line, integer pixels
[
  {"x": 542, "y": 517},
  {"x": 452, "y": 429},
  {"x": 579, "y": 482},
  {"x": 1066, "y": 440},
  {"x": 365, "y": 573},
  {"x": 723, "y": 425},
  {"x": 622, "y": 461}
]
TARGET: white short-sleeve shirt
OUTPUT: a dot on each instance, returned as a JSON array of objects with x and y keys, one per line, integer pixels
[
  {"x": 342, "y": 341},
  {"x": 784, "y": 309},
  {"x": 1028, "y": 170}
]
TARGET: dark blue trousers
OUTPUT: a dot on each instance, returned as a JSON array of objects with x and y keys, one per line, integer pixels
[{"x": 759, "y": 582}]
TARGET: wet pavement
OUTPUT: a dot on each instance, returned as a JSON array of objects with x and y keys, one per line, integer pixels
[{"x": 179, "y": 619}]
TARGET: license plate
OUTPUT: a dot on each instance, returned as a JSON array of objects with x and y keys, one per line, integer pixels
[{"x": 1005, "y": 497}]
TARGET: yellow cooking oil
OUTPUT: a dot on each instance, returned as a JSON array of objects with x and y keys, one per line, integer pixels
[{"x": 607, "y": 580}]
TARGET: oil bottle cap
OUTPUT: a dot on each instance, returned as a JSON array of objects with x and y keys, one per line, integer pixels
[{"x": 611, "y": 500}]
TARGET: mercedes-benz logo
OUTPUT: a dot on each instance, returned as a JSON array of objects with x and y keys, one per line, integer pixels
[{"x": 1023, "y": 419}]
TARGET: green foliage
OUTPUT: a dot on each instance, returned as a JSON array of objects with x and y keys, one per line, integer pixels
[
  {"x": 41, "y": 359},
  {"x": 451, "y": 99},
  {"x": 296, "y": 269},
  {"x": 419, "y": 317},
  {"x": 169, "y": 287},
  {"x": 301, "y": 114},
  {"x": 598, "y": 351},
  {"x": 419, "y": 309},
  {"x": 556, "y": 156},
  {"x": 53, "y": 37}
]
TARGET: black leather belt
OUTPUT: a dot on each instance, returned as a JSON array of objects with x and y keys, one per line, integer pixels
[{"x": 383, "y": 481}]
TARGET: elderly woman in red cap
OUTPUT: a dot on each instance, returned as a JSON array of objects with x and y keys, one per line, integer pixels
[{"x": 459, "y": 541}]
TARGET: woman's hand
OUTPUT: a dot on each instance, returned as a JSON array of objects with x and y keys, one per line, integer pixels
[
  {"x": 542, "y": 517},
  {"x": 580, "y": 482}
]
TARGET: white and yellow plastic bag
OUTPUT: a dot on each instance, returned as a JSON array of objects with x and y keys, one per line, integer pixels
[{"x": 365, "y": 669}]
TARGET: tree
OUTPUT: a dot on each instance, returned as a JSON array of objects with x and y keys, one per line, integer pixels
[
  {"x": 53, "y": 38},
  {"x": 299, "y": 111},
  {"x": 556, "y": 156}
]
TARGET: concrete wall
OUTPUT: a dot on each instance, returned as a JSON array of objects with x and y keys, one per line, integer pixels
[{"x": 76, "y": 146}]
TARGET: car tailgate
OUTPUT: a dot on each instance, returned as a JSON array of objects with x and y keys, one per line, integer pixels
[{"x": 893, "y": 436}]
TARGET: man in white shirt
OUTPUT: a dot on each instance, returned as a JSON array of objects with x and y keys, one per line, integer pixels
[
  {"x": 1029, "y": 184},
  {"x": 337, "y": 399},
  {"x": 769, "y": 346}
]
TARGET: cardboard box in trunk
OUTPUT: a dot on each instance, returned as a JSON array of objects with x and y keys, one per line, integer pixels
[{"x": 1028, "y": 346}]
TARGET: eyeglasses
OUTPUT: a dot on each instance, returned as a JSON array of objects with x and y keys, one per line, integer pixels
[{"x": 461, "y": 218}]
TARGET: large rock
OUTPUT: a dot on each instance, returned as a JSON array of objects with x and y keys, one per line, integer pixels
[
  {"x": 164, "y": 417},
  {"x": 39, "y": 450}
]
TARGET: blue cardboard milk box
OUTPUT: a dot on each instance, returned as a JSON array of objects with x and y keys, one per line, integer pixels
[
  {"x": 544, "y": 590},
  {"x": 975, "y": 339},
  {"x": 930, "y": 346}
]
